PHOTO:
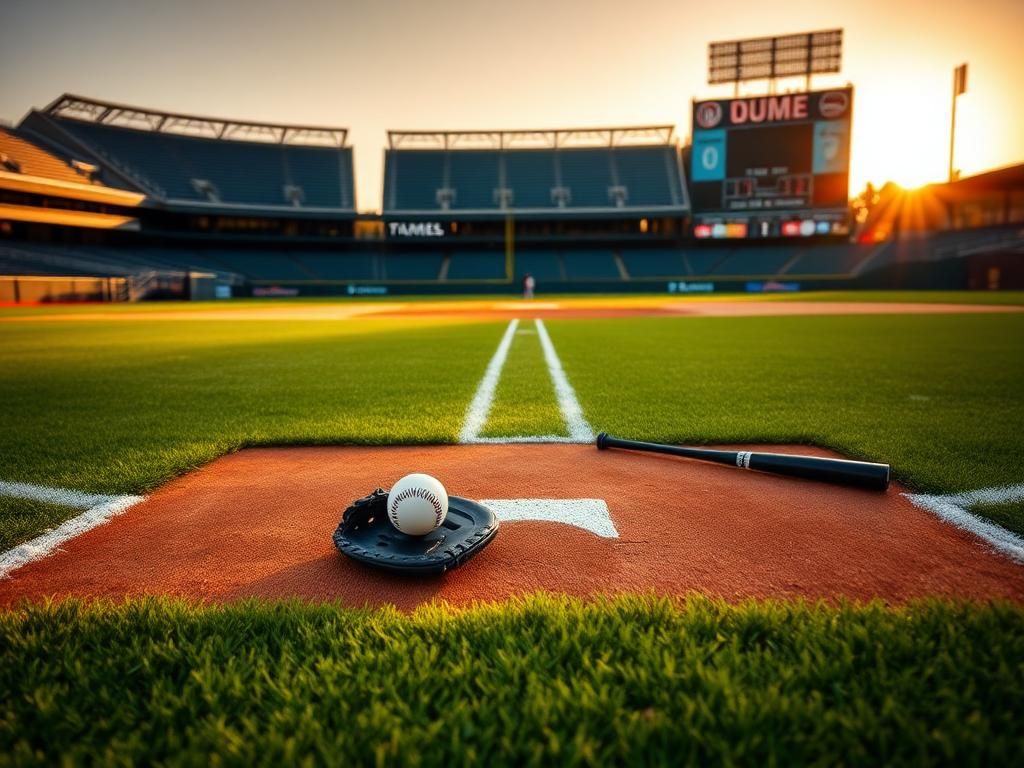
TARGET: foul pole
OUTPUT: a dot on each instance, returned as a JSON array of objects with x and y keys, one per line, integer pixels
[{"x": 959, "y": 86}]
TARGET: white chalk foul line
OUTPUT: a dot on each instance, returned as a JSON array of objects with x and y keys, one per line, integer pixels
[
  {"x": 98, "y": 510},
  {"x": 480, "y": 405},
  {"x": 953, "y": 509},
  {"x": 579, "y": 429},
  {"x": 524, "y": 439},
  {"x": 589, "y": 514},
  {"x": 61, "y": 496}
]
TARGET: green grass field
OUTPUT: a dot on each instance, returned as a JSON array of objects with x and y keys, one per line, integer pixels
[
  {"x": 544, "y": 680},
  {"x": 120, "y": 406}
]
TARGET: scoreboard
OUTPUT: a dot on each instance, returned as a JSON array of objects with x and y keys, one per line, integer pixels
[{"x": 772, "y": 166}]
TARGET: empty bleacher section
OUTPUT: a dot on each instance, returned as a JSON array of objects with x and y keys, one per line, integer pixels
[
  {"x": 754, "y": 262},
  {"x": 482, "y": 265},
  {"x": 261, "y": 265},
  {"x": 412, "y": 266},
  {"x": 24, "y": 157},
  {"x": 634, "y": 169},
  {"x": 842, "y": 259},
  {"x": 204, "y": 161},
  {"x": 543, "y": 265},
  {"x": 254, "y": 265},
  {"x": 931, "y": 247},
  {"x": 587, "y": 175},
  {"x": 649, "y": 176},
  {"x": 702, "y": 262},
  {"x": 654, "y": 262},
  {"x": 338, "y": 266},
  {"x": 473, "y": 178},
  {"x": 531, "y": 176},
  {"x": 554, "y": 269},
  {"x": 591, "y": 265}
]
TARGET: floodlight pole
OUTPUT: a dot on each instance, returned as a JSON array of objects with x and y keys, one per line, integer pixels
[
  {"x": 952, "y": 130},
  {"x": 959, "y": 86}
]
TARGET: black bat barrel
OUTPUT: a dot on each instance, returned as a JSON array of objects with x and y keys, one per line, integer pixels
[{"x": 862, "y": 474}]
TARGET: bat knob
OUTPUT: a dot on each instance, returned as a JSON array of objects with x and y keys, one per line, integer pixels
[{"x": 601, "y": 438}]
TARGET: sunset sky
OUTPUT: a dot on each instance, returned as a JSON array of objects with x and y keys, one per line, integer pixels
[{"x": 460, "y": 64}]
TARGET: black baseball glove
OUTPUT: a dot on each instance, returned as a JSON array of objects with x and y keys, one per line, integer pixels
[{"x": 365, "y": 534}]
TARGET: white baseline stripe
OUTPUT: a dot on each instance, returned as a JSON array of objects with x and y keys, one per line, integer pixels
[
  {"x": 1001, "y": 495},
  {"x": 47, "y": 543},
  {"x": 525, "y": 439},
  {"x": 589, "y": 514},
  {"x": 579, "y": 430},
  {"x": 480, "y": 406},
  {"x": 952, "y": 510},
  {"x": 61, "y": 496}
]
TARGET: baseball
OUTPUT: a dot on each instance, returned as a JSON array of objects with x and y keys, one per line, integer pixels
[{"x": 417, "y": 504}]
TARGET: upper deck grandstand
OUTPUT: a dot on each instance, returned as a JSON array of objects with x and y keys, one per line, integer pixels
[
  {"x": 538, "y": 173},
  {"x": 203, "y": 163}
]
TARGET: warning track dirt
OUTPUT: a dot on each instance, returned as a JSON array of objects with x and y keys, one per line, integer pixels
[{"x": 259, "y": 523}]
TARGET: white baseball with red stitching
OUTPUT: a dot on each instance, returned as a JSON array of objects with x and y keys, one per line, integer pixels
[{"x": 417, "y": 504}]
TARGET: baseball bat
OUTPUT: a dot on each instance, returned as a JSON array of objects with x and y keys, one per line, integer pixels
[{"x": 862, "y": 474}]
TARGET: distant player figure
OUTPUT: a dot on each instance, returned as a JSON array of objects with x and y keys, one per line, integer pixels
[{"x": 528, "y": 285}]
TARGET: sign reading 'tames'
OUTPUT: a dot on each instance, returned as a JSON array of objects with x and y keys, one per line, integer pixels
[{"x": 415, "y": 229}]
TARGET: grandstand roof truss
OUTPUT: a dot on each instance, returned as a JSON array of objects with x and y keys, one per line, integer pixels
[
  {"x": 647, "y": 135},
  {"x": 123, "y": 116}
]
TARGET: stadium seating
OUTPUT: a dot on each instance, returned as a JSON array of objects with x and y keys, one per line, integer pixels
[
  {"x": 412, "y": 266},
  {"x": 590, "y": 265},
  {"x": 530, "y": 174},
  {"x": 650, "y": 175},
  {"x": 827, "y": 260},
  {"x": 336, "y": 266},
  {"x": 474, "y": 177},
  {"x": 261, "y": 265},
  {"x": 203, "y": 170},
  {"x": 754, "y": 262},
  {"x": 20, "y": 156},
  {"x": 412, "y": 179},
  {"x": 543, "y": 265},
  {"x": 702, "y": 262},
  {"x": 587, "y": 174},
  {"x": 657, "y": 262},
  {"x": 798, "y": 262},
  {"x": 482, "y": 265},
  {"x": 938, "y": 246},
  {"x": 471, "y": 180}
]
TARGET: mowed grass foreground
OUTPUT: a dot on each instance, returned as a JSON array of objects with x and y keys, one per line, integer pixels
[{"x": 536, "y": 681}]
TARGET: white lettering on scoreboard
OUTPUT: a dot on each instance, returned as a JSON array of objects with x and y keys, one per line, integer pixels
[{"x": 415, "y": 229}]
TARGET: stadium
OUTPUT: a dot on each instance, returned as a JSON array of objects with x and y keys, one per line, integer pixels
[
  {"x": 653, "y": 442},
  {"x": 157, "y": 205}
]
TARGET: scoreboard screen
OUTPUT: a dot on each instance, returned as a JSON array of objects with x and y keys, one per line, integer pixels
[{"x": 771, "y": 166}]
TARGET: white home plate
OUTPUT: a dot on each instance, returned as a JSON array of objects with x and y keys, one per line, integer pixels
[{"x": 589, "y": 514}]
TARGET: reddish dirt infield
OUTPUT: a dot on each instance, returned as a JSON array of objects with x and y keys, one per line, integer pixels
[
  {"x": 260, "y": 522},
  {"x": 655, "y": 307},
  {"x": 483, "y": 310}
]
